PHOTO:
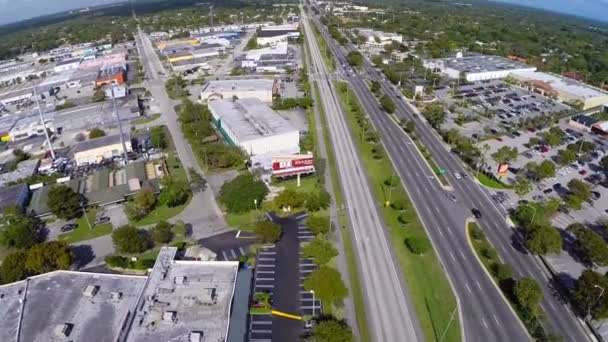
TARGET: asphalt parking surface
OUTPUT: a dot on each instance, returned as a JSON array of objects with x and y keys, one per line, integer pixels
[{"x": 230, "y": 245}]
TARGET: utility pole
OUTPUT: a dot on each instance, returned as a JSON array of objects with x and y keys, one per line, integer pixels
[
  {"x": 211, "y": 16},
  {"x": 46, "y": 132},
  {"x": 122, "y": 135}
]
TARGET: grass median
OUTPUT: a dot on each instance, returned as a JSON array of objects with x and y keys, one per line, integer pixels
[
  {"x": 428, "y": 286},
  {"x": 329, "y": 61},
  {"x": 349, "y": 252}
]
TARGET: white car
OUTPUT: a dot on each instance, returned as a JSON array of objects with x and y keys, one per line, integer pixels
[{"x": 457, "y": 175}]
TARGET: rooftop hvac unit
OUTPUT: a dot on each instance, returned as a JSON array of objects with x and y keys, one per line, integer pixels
[
  {"x": 170, "y": 316},
  {"x": 90, "y": 290},
  {"x": 115, "y": 295},
  {"x": 63, "y": 330},
  {"x": 195, "y": 336}
]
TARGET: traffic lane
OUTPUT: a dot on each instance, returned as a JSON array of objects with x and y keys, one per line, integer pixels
[
  {"x": 473, "y": 283},
  {"x": 333, "y": 108},
  {"x": 373, "y": 301},
  {"x": 475, "y": 317}
]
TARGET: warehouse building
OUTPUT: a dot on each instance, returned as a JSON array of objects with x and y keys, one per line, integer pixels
[
  {"x": 66, "y": 65},
  {"x": 252, "y": 125},
  {"x": 179, "y": 300},
  {"x": 575, "y": 93},
  {"x": 477, "y": 67},
  {"x": 261, "y": 89},
  {"x": 272, "y": 37},
  {"x": 379, "y": 38},
  {"x": 95, "y": 150}
]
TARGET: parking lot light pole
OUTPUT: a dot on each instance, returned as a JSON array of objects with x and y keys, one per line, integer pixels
[
  {"x": 313, "y": 302},
  {"x": 86, "y": 217},
  {"x": 46, "y": 132},
  {"x": 596, "y": 301}
]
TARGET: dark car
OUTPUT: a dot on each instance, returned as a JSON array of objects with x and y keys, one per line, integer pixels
[
  {"x": 476, "y": 213},
  {"x": 548, "y": 191},
  {"x": 557, "y": 186},
  {"x": 68, "y": 227}
]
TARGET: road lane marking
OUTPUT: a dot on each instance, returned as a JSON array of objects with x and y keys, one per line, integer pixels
[
  {"x": 478, "y": 286},
  {"x": 452, "y": 256},
  {"x": 468, "y": 288},
  {"x": 233, "y": 254},
  {"x": 485, "y": 324},
  {"x": 462, "y": 255},
  {"x": 496, "y": 320}
]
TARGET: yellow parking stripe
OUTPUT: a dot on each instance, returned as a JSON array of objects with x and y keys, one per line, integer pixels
[{"x": 286, "y": 315}]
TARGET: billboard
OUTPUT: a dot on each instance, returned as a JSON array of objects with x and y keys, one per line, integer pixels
[
  {"x": 503, "y": 168},
  {"x": 292, "y": 165}
]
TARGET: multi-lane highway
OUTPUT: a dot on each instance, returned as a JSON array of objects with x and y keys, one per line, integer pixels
[
  {"x": 390, "y": 315},
  {"x": 480, "y": 301}
]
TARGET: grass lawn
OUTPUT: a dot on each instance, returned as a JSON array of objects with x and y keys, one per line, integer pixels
[
  {"x": 161, "y": 213},
  {"x": 491, "y": 182},
  {"x": 307, "y": 184},
  {"x": 349, "y": 252},
  {"x": 429, "y": 288},
  {"x": 82, "y": 231}
]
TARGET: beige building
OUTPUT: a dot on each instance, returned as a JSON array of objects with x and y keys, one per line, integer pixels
[
  {"x": 575, "y": 93},
  {"x": 95, "y": 150}
]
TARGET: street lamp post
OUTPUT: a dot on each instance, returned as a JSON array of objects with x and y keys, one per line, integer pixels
[{"x": 596, "y": 301}]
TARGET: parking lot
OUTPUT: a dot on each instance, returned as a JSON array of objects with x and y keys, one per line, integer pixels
[
  {"x": 498, "y": 106},
  {"x": 309, "y": 305},
  {"x": 260, "y": 326}
]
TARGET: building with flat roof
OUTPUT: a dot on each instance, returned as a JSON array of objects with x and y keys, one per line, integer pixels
[
  {"x": 179, "y": 301},
  {"x": 262, "y": 89},
  {"x": 272, "y": 37},
  {"x": 67, "y": 64},
  {"x": 477, "y": 67},
  {"x": 254, "y": 126},
  {"x": 14, "y": 196},
  {"x": 95, "y": 150},
  {"x": 563, "y": 89},
  {"x": 25, "y": 169},
  {"x": 379, "y": 38}
]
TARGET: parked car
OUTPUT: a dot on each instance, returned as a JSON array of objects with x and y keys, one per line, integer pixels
[
  {"x": 548, "y": 191},
  {"x": 68, "y": 227},
  {"x": 101, "y": 219},
  {"x": 476, "y": 213}
]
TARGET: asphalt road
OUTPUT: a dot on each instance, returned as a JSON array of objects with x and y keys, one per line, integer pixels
[
  {"x": 390, "y": 317},
  {"x": 453, "y": 247}
]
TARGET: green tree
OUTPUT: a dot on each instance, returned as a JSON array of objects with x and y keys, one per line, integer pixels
[
  {"x": 546, "y": 169},
  {"x": 128, "y": 239},
  {"x": 573, "y": 202},
  {"x": 48, "y": 256},
  {"x": 13, "y": 268},
  {"x": 241, "y": 194},
  {"x": 327, "y": 284},
  {"x": 252, "y": 43},
  {"x": 267, "y": 231},
  {"x": 20, "y": 230},
  {"x": 579, "y": 189},
  {"x": 587, "y": 294},
  {"x": 528, "y": 294},
  {"x": 331, "y": 331},
  {"x": 197, "y": 182},
  {"x": 554, "y": 136},
  {"x": 565, "y": 157},
  {"x": 505, "y": 154},
  {"x": 604, "y": 164},
  {"x": 64, "y": 202},
  {"x": 320, "y": 250},
  {"x": 387, "y": 104},
  {"x": 99, "y": 95},
  {"x": 158, "y": 138},
  {"x": 144, "y": 199},
  {"x": 410, "y": 126},
  {"x": 96, "y": 133},
  {"x": 434, "y": 114},
  {"x": 161, "y": 233},
  {"x": 502, "y": 271},
  {"x": 318, "y": 224},
  {"x": 354, "y": 58},
  {"x": 289, "y": 198},
  {"x": 174, "y": 192},
  {"x": 317, "y": 201},
  {"x": 590, "y": 246},
  {"x": 544, "y": 239},
  {"x": 522, "y": 187},
  {"x": 374, "y": 86}
]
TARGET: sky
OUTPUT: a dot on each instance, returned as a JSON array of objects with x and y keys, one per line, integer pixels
[
  {"x": 594, "y": 9},
  {"x": 16, "y": 10}
]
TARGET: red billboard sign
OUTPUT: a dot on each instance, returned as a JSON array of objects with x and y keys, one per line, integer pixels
[{"x": 292, "y": 165}]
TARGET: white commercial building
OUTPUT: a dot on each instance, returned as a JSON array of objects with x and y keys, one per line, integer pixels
[
  {"x": 67, "y": 64},
  {"x": 285, "y": 27},
  {"x": 252, "y": 125},
  {"x": 380, "y": 38},
  {"x": 477, "y": 67},
  {"x": 562, "y": 89},
  {"x": 276, "y": 50},
  {"x": 261, "y": 89}
]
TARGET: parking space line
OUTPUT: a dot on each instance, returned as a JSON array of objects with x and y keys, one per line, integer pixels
[
  {"x": 265, "y": 272},
  {"x": 269, "y": 265},
  {"x": 224, "y": 254},
  {"x": 242, "y": 251},
  {"x": 267, "y": 259},
  {"x": 264, "y": 286},
  {"x": 232, "y": 252}
]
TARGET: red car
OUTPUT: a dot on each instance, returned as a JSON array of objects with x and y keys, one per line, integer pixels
[
  {"x": 499, "y": 138},
  {"x": 583, "y": 172}
]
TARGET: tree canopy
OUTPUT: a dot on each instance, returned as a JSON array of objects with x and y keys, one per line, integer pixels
[
  {"x": 20, "y": 230},
  {"x": 331, "y": 331},
  {"x": 586, "y": 294},
  {"x": 174, "y": 192},
  {"x": 505, "y": 154},
  {"x": 48, "y": 256},
  {"x": 434, "y": 114},
  {"x": 327, "y": 284},
  {"x": 128, "y": 239},
  {"x": 387, "y": 104},
  {"x": 589, "y": 245},
  {"x": 64, "y": 202},
  {"x": 267, "y": 231},
  {"x": 320, "y": 250},
  {"x": 528, "y": 294},
  {"x": 96, "y": 133},
  {"x": 318, "y": 224},
  {"x": 241, "y": 194},
  {"x": 354, "y": 58}
]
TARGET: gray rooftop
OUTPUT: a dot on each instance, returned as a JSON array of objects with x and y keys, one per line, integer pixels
[
  {"x": 24, "y": 169},
  {"x": 191, "y": 296},
  {"x": 238, "y": 85},
  {"x": 484, "y": 63},
  {"x": 99, "y": 142},
  {"x": 57, "y": 298},
  {"x": 199, "y": 293},
  {"x": 250, "y": 118}
]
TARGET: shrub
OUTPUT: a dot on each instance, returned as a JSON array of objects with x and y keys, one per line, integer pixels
[
  {"x": 418, "y": 245},
  {"x": 128, "y": 239},
  {"x": 240, "y": 194},
  {"x": 161, "y": 233},
  {"x": 398, "y": 205},
  {"x": 267, "y": 232}
]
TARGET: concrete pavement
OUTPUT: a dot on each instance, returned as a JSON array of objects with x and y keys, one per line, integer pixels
[{"x": 390, "y": 317}]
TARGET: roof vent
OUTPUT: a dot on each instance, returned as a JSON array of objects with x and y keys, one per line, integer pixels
[
  {"x": 63, "y": 330},
  {"x": 115, "y": 295},
  {"x": 90, "y": 290},
  {"x": 195, "y": 336},
  {"x": 180, "y": 280},
  {"x": 170, "y": 316}
]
